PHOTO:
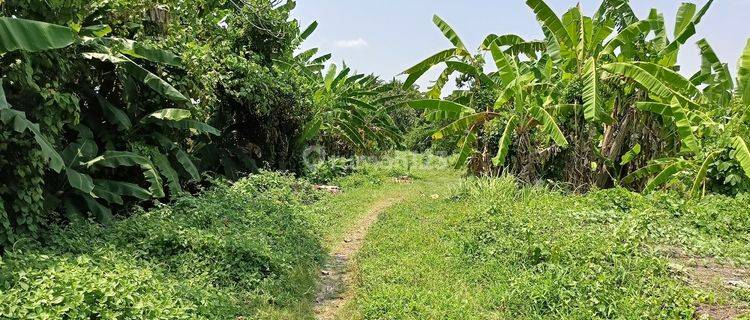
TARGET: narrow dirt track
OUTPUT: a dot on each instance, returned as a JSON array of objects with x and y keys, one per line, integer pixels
[{"x": 335, "y": 287}]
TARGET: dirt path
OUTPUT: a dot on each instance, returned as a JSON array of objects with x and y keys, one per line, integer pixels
[{"x": 335, "y": 288}]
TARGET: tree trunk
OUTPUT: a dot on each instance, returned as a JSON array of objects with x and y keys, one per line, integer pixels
[{"x": 614, "y": 151}]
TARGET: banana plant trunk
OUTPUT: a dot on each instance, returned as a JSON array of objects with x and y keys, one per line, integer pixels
[{"x": 613, "y": 147}]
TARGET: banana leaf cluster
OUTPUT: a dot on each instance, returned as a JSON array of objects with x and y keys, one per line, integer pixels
[{"x": 598, "y": 101}]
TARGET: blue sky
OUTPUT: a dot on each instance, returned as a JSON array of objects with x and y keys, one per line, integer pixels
[{"x": 386, "y": 37}]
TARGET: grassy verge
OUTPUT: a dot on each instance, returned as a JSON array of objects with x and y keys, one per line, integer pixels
[{"x": 487, "y": 249}]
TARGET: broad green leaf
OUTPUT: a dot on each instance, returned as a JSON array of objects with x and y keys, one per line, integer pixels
[
  {"x": 467, "y": 147},
  {"x": 154, "y": 82},
  {"x": 307, "y": 54},
  {"x": 440, "y": 105},
  {"x": 571, "y": 20},
  {"x": 21, "y": 124},
  {"x": 113, "y": 159},
  {"x": 506, "y": 68},
  {"x": 102, "y": 213},
  {"x": 3, "y": 102},
  {"x": 308, "y": 31},
  {"x": 549, "y": 19},
  {"x": 470, "y": 70},
  {"x": 171, "y": 114},
  {"x": 80, "y": 181},
  {"x": 121, "y": 188},
  {"x": 591, "y": 99},
  {"x": 136, "y": 71},
  {"x": 684, "y": 128},
  {"x": 675, "y": 81},
  {"x": 351, "y": 134},
  {"x": 33, "y": 36},
  {"x": 184, "y": 159},
  {"x": 602, "y": 31},
  {"x": 437, "y": 88},
  {"x": 664, "y": 176},
  {"x": 627, "y": 35},
  {"x": 107, "y": 195},
  {"x": 340, "y": 77},
  {"x": 448, "y": 32},
  {"x": 321, "y": 59},
  {"x": 700, "y": 178},
  {"x": 653, "y": 85},
  {"x": 651, "y": 169},
  {"x": 709, "y": 62},
  {"x": 630, "y": 155},
  {"x": 549, "y": 125},
  {"x": 142, "y": 51},
  {"x": 96, "y": 31},
  {"x": 529, "y": 48},
  {"x": 165, "y": 168},
  {"x": 742, "y": 154},
  {"x": 660, "y": 29},
  {"x": 743, "y": 72},
  {"x": 460, "y": 125},
  {"x": 685, "y": 15},
  {"x": 114, "y": 114},
  {"x": 688, "y": 30},
  {"x": 361, "y": 104},
  {"x": 190, "y": 124},
  {"x": 505, "y": 142},
  {"x": 655, "y": 107},
  {"x": 310, "y": 130},
  {"x": 421, "y": 68},
  {"x": 330, "y": 76},
  {"x": 500, "y": 41}
]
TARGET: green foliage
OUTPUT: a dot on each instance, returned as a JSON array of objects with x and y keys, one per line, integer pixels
[
  {"x": 596, "y": 91},
  {"x": 327, "y": 170},
  {"x": 226, "y": 253},
  {"x": 179, "y": 88}
]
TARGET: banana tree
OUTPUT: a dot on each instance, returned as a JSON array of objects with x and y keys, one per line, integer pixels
[
  {"x": 517, "y": 86},
  {"x": 616, "y": 70},
  {"x": 351, "y": 110},
  {"x": 724, "y": 133}
]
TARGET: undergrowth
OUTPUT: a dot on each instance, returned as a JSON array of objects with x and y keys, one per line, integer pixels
[{"x": 230, "y": 252}]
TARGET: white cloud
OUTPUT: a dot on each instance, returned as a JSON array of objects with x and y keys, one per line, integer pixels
[{"x": 354, "y": 43}]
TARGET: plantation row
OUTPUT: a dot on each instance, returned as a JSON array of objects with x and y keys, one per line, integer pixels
[
  {"x": 105, "y": 104},
  {"x": 600, "y": 101}
]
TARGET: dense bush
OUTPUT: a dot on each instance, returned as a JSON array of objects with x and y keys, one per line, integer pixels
[
  {"x": 114, "y": 96},
  {"x": 226, "y": 253}
]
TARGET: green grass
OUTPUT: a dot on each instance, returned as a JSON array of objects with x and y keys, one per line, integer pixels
[
  {"x": 454, "y": 248},
  {"x": 487, "y": 249}
]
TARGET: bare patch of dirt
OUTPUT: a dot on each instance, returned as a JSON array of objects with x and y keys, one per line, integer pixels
[
  {"x": 721, "y": 312},
  {"x": 404, "y": 180},
  {"x": 334, "y": 289},
  {"x": 707, "y": 274}
]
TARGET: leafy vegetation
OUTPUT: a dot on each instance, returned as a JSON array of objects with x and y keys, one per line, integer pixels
[
  {"x": 597, "y": 102},
  {"x": 161, "y": 160},
  {"x": 102, "y": 109},
  {"x": 233, "y": 251}
]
